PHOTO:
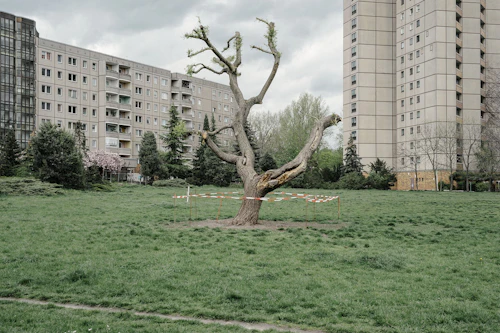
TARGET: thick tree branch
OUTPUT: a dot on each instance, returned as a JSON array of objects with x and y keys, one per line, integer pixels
[
  {"x": 298, "y": 165},
  {"x": 229, "y": 43},
  {"x": 229, "y": 158},
  {"x": 192, "y": 69}
]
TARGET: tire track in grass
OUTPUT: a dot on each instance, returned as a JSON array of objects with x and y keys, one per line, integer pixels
[{"x": 250, "y": 326}]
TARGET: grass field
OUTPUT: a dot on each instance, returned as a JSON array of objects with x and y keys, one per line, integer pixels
[{"x": 402, "y": 262}]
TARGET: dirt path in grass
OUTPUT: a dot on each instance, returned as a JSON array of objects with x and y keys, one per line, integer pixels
[
  {"x": 263, "y": 224},
  {"x": 250, "y": 326}
]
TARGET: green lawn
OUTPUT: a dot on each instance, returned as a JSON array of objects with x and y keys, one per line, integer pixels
[{"x": 404, "y": 262}]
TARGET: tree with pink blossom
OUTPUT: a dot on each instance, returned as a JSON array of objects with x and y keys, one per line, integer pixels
[{"x": 103, "y": 160}]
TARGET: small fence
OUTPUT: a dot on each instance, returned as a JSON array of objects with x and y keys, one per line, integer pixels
[{"x": 283, "y": 196}]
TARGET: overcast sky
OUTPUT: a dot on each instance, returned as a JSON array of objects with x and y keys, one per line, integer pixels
[{"x": 151, "y": 32}]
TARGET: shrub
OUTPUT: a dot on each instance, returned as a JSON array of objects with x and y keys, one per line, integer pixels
[
  {"x": 352, "y": 181},
  {"x": 482, "y": 187}
]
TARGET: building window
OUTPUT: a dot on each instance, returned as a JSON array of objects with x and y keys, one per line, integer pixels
[
  {"x": 155, "y": 121},
  {"x": 402, "y": 45},
  {"x": 71, "y": 61},
  {"x": 411, "y": 130},
  {"x": 138, "y": 90},
  {"x": 418, "y": 68},
  {"x": 402, "y": 117},
  {"x": 418, "y": 114},
  {"x": 148, "y": 106},
  {"x": 94, "y": 82},
  {"x": 138, "y": 76},
  {"x": 402, "y": 88},
  {"x": 402, "y": 103},
  {"x": 46, "y": 55},
  {"x": 411, "y": 26},
  {"x": 59, "y": 75},
  {"x": 402, "y": 74},
  {"x": 72, "y": 93},
  {"x": 353, "y": 93},
  {"x": 46, "y": 106},
  {"x": 411, "y": 85},
  {"x": 354, "y": 22},
  {"x": 155, "y": 94},
  {"x": 402, "y": 31},
  {"x": 138, "y": 104},
  {"x": 84, "y": 111},
  {"x": 418, "y": 129},
  {"x": 411, "y": 71},
  {"x": 47, "y": 89},
  {"x": 353, "y": 37},
  {"x": 353, "y": 79},
  {"x": 155, "y": 107},
  {"x": 164, "y": 108},
  {"x": 71, "y": 77},
  {"x": 59, "y": 58},
  {"x": 418, "y": 84},
  {"x": 72, "y": 109},
  {"x": 148, "y": 78},
  {"x": 354, "y": 135},
  {"x": 353, "y": 108},
  {"x": 155, "y": 80},
  {"x": 402, "y": 59},
  {"x": 148, "y": 92},
  {"x": 164, "y": 95},
  {"x": 84, "y": 95},
  {"x": 59, "y": 91},
  {"x": 410, "y": 56},
  {"x": 418, "y": 38},
  {"x": 411, "y": 115},
  {"x": 418, "y": 99},
  {"x": 353, "y": 51},
  {"x": 418, "y": 23},
  {"x": 411, "y": 41},
  {"x": 353, "y": 65},
  {"x": 138, "y": 119},
  {"x": 59, "y": 107},
  {"x": 94, "y": 112},
  {"x": 164, "y": 82},
  {"x": 84, "y": 63},
  {"x": 353, "y": 122},
  {"x": 354, "y": 9},
  {"x": 84, "y": 79},
  {"x": 46, "y": 72},
  {"x": 411, "y": 100},
  {"x": 138, "y": 132},
  {"x": 412, "y": 145},
  {"x": 402, "y": 132}
]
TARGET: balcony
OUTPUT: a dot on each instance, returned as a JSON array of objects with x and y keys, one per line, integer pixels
[
  {"x": 124, "y": 136},
  {"x": 186, "y": 91},
  {"x": 112, "y": 120},
  {"x": 112, "y": 134},
  {"x": 483, "y": 92},
  {"x": 459, "y": 73},
  {"x": 112, "y": 150},
  {"x": 124, "y": 151},
  {"x": 459, "y": 42},
  {"x": 459, "y": 26},
  {"x": 483, "y": 63},
  {"x": 460, "y": 104},
  {"x": 483, "y": 47},
  {"x": 130, "y": 162},
  {"x": 482, "y": 17},
  {"x": 460, "y": 11},
  {"x": 125, "y": 120},
  {"x": 124, "y": 77},
  {"x": 483, "y": 33},
  {"x": 124, "y": 91},
  {"x": 459, "y": 58},
  {"x": 110, "y": 89},
  {"x": 125, "y": 106},
  {"x": 483, "y": 77},
  {"x": 483, "y": 3},
  {"x": 112, "y": 73},
  {"x": 112, "y": 104},
  {"x": 460, "y": 89},
  {"x": 483, "y": 107}
]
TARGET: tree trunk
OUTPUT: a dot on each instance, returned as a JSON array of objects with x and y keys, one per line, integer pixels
[
  {"x": 436, "y": 181},
  {"x": 249, "y": 210}
]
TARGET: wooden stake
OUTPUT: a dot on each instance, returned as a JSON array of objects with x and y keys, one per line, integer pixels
[
  {"x": 175, "y": 208},
  {"x": 220, "y": 205},
  {"x": 306, "y": 211},
  {"x": 315, "y": 209},
  {"x": 338, "y": 208},
  {"x": 195, "y": 205}
]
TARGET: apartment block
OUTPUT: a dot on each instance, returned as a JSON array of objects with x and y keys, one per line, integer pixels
[
  {"x": 117, "y": 100},
  {"x": 416, "y": 71}
]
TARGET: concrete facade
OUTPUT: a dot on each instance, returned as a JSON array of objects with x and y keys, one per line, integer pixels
[
  {"x": 119, "y": 100},
  {"x": 421, "y": 70}
]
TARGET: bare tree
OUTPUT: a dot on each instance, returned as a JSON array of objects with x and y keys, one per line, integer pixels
[
  {"x": 429, "y": 146},
  {"x": 255, "y": 185},
  {"x": 448, "y": 147},
  {"x": 471, "y": 139},
  {"x": 409, "y": 160}
]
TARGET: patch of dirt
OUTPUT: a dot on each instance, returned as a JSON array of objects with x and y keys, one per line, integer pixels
[{"x": 263, "y": 225}]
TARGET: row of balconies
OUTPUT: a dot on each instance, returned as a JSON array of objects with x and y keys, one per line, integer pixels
[{"x": 117, "y": 75}]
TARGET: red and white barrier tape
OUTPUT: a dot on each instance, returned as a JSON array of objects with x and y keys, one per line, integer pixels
[{"x": 307, "y": 197}]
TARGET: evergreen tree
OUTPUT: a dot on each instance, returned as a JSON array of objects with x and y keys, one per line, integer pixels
[
  {"x": 176, "y": 132},
  {"x": 207, "y": 167},
  {"x": 80, "y": 139},
  {"x": 267, "y": 162},
  {"x": 9, "y": 154},
  {"x": 56, "y": 158},
  {"x": 381, "y": 176},
  {"x": 352, "y": 162},
  {"x": 149, "y": 157}
]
